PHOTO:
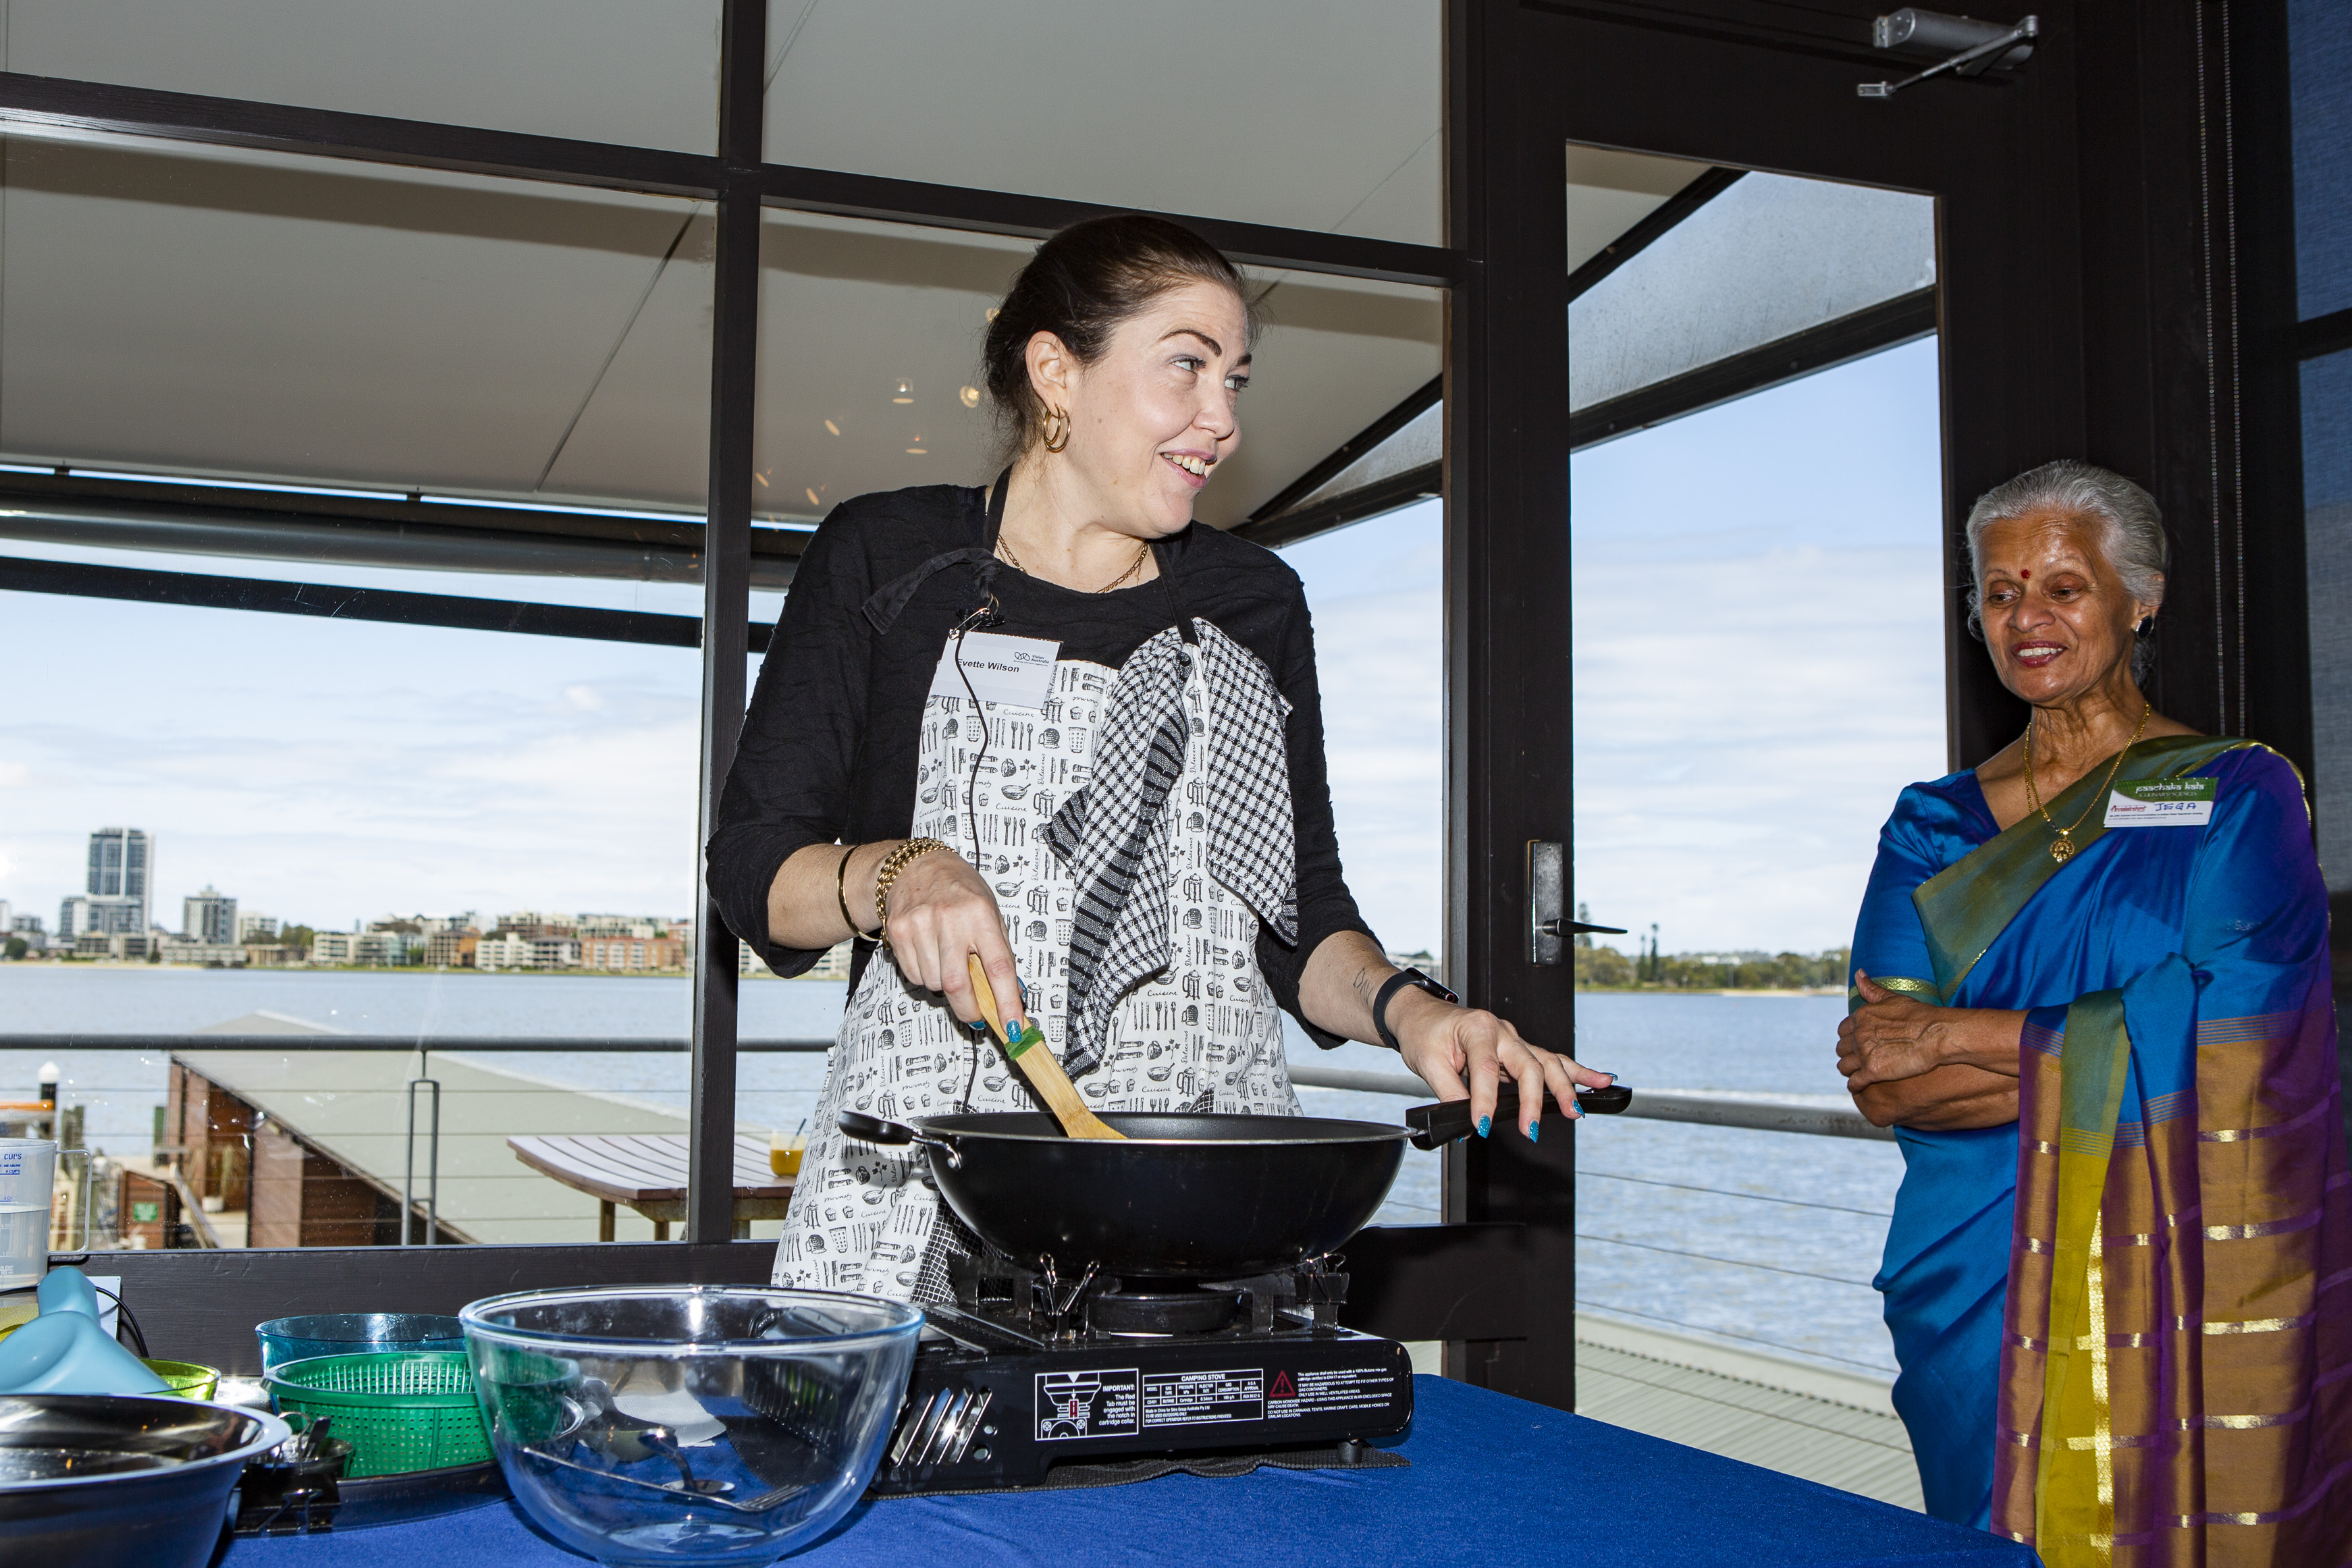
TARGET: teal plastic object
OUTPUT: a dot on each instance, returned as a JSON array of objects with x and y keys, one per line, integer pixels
[
  {"x": 64, "y": 1351},
  {"x": 67, "y": 1289}
]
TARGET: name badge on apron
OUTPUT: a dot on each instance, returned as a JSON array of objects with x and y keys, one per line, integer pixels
[
  {"x": 2163, "y": 803},
  {"x": 1015, "y": 671}
]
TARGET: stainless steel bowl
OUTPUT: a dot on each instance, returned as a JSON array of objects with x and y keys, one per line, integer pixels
[{"x": 120, "y": 1480}]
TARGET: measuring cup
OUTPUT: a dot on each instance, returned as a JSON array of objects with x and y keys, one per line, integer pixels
[{"x": 28, "y": 1169}]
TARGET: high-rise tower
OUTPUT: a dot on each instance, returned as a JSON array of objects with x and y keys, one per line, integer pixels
[{"x": 122, "y": 870}]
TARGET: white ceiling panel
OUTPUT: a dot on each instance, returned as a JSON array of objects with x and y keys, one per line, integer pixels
[
  {"x": 644, "y": 73},
  {"x": 644, "y": 434},
  {"x": 1314, "y": 114},
  {"x": 269, "y": 317},
  {"x": 1609, "y": 193}
]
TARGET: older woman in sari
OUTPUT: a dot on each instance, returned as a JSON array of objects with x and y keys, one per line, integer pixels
[{"x": 2092, "y": 997}]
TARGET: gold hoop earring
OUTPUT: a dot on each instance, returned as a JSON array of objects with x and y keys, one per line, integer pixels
[{"x": 1046, "y": 429}]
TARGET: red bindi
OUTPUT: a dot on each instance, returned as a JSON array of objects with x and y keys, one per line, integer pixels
[{"x": 2026, "y": 575}]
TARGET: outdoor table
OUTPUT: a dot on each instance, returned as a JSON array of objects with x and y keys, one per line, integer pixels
[
  {"x": 1493, "y": 1481},
  {"x": 647, "y": 1172}
]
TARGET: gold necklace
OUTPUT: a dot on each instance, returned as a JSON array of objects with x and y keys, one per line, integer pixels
[
  {"x": 2061, "y": 848},
  {"x": 1142, "y": 551}
]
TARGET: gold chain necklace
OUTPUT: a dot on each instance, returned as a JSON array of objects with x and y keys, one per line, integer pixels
[
  {"x": 2061, "y": 848},
  {"x": 1142, "y": 549}
]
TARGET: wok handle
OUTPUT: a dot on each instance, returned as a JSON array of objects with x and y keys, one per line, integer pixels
[
  {"x": 868, "y": 1129},
  {"x": 1434, "y": 1127}
]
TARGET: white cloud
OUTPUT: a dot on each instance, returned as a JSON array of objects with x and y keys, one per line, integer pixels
[{"x": 329, "y": 771}]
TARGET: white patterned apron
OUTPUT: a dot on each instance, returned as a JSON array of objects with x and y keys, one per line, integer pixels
[{"x": 1204, "y": 1037}]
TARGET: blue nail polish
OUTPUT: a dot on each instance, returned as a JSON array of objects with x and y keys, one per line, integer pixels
[
  {"x": 1535, "y": 1131},
  {"x": 1483, "y": 1123}
]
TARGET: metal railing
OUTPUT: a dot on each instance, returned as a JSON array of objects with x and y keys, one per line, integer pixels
[
  {"x": 1819, "y": 1115},
  {"x": 436, "y": 1043}
]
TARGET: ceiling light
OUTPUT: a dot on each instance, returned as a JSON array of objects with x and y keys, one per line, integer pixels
[
  {"x": 813, "y": 500},
  {"x": 906, "y": 392},
  {"x": 833, "y": 427},
  {"x": 971, "y": 396}
]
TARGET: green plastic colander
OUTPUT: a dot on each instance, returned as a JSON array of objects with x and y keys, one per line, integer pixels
[{"x": 402, "y": 1410}]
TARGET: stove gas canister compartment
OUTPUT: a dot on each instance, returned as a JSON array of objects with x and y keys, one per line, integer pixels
[{"x": 975, "y": 1421}]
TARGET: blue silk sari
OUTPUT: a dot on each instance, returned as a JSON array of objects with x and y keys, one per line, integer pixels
[{"x": 2177, "y": 1068}]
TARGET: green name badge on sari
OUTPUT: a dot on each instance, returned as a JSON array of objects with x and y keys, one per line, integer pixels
[{"x": 2162, "y": 803}]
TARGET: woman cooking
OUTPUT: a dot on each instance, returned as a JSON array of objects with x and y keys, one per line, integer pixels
[
  {"x": 2092, "y": 994},
  {"x": 1058, "y": 725}
]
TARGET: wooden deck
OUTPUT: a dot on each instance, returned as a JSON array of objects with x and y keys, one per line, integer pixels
[{"x": 1837, "y": 1428}]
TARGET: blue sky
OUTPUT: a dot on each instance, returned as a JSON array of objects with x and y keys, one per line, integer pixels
[{"x": 1756, "y": 626}]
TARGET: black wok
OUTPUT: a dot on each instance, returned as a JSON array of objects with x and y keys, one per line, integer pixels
[{"x": 1195, "y": 1198}]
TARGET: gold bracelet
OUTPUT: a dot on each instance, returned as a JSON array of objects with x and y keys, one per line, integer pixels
[
  {"x": 897, "y": 861},
  {"x": 841, "y": 895}
]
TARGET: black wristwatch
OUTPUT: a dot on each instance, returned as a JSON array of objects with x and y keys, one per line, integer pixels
[{"x": 1404, "y": 977}]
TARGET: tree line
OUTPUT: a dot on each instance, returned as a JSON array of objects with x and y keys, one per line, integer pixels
[{"x": 1605, "y": 968}]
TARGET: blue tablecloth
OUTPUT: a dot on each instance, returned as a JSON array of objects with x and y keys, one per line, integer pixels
[{"x": 1493, "y": 1481}]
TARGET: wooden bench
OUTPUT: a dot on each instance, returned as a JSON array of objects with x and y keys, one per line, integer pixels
[{"x": 647, "y": 1172}]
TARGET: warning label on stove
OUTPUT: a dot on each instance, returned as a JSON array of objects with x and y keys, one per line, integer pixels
[
  {"x": 1203, "y": 1399},
  {"x": 1329, "y": 1390},
  {"x": 1075, "y": 1405}
]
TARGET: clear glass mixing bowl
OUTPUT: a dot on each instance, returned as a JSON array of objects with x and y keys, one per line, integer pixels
[{"x": 676, "y": 1424}]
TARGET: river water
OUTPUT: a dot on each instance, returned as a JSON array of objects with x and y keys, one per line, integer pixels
[{"x": 1764, "y": 1240}]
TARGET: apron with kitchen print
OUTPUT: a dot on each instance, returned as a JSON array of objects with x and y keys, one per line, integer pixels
[{"x": 1187, "y": 1025}]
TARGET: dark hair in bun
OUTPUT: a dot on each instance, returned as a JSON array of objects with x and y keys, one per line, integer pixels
[{"x": 1080, "y": 286}]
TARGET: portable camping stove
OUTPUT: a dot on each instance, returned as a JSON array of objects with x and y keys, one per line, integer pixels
[{"x": 1026, "y": 1369}]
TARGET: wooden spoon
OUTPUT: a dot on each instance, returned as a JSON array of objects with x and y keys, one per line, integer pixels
[{"x": 1046, "y": 1078}]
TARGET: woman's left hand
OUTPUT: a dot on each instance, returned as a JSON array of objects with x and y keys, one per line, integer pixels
[
  {"x": 1891, "y": 1037},
  {"x": 1465, "y": 1052}
]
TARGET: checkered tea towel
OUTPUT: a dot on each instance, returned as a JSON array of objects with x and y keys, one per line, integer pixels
[{"x": 1113, "y": 834}]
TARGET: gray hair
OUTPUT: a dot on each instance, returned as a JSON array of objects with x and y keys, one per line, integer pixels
[{"x": 2131, "y": 528}]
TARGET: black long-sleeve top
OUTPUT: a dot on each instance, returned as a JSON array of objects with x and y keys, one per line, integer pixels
[{"x": 828, "y": 748}]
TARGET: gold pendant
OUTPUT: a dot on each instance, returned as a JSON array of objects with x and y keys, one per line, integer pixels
[{"x": 2061, "y": 850}]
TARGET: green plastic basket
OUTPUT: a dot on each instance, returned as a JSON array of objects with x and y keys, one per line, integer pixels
[
  {"x": 402, "y": 1410},
  {"x": 186, "y": 1379}
]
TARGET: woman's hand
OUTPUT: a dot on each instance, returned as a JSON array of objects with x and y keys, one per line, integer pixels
[
  {"x": 1917, "y": 1065},
  {"x": 941, "y": 914},
  {"x": 1889, "y": 1037},
  {"x": 1445, "y": 1045}
]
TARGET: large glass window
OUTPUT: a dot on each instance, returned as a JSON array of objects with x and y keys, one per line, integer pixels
[
  {"x": 1759, "y": 655},
  {"x": 1376, "y": 592},
  {"x": 2321, "y": 40},
  {"x": 1758, "y": 607},
  {"x": 373, "y": 851},
  {"x": 2327, "y": 536}
]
